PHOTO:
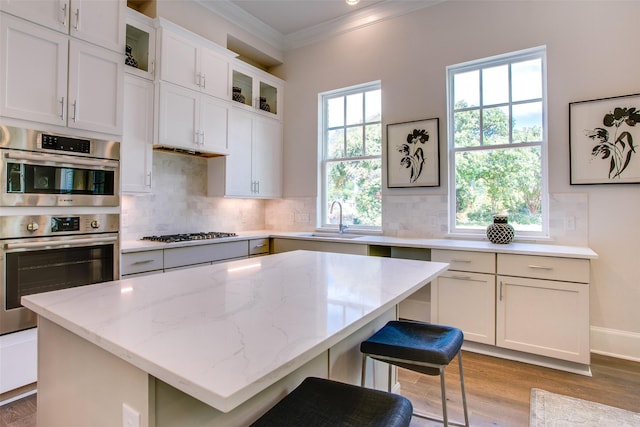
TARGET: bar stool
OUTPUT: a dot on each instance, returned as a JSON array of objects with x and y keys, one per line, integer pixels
[
  {"x": 422, "y": 347},
  {"x": 325, "y": 403}
]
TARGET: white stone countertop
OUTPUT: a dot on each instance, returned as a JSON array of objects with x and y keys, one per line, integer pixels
[
  {"x": 224, "y": 332},
  {"x": 454, "y": 244}
]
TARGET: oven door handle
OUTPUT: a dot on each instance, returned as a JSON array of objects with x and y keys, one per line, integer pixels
[
  {"x": 60, "y": 243},
  {"x": 45, "y": 158}
]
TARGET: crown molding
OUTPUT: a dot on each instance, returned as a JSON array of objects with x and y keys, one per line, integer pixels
[
  {"x": 386, "y": 9},
  {"x": 245, "y": 20}
]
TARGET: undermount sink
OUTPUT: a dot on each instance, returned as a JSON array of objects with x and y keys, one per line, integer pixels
[{"x": 335, "y": 235}]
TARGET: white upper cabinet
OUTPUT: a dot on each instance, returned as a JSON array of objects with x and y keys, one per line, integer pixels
[
  {"x": 80, "y": 86},
  {"x": 191, "y": 121},
  {"x": 97, "y": 22},
  {"x": 96, "y": 79},
  {"x": 253, "y": 167},
  {"x": 28, "y": 92},
  {"x": 256, "y": 90},
  {"x": 193, "y": 62},
  {"x": 136, "y": 149},
  {"x": 140, "y": 46}
]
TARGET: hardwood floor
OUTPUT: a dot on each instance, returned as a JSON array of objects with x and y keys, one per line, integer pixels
[{"x": 498, "y": 390}]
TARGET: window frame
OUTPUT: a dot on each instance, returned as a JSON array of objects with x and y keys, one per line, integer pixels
[
  {"x": 485, "y": 63},
  {"x": 322, "y": 202}
]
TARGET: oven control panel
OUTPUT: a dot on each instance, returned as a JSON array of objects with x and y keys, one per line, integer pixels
[
  {"x": 29, "y": 226},
  {"x": 61, "y": 224},
  {"x": 64, "y": 143}
]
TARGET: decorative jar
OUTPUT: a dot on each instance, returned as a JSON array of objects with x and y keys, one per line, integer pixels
[
  {"x": 237, "y": 94},
  {"x": 500, "y": 231},
  {"x": 263, "y": 104}
]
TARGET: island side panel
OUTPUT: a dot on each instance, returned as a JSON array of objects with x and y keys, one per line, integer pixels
[
  {"x": 81, "y": 385},
  {"x": 175, "y": 408}
]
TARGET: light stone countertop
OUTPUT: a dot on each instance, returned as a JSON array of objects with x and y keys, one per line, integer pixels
[
  {"x": 223, "y": 333},
  {"x": 540, "y": 249}
]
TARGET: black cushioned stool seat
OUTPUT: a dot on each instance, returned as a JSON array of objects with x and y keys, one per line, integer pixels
[
  {"x": 422, "y": 347},
  {"x": 325, "y": 403}
]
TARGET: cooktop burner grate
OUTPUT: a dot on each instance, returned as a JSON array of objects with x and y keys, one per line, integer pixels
[{"x": 170, "y": 238}]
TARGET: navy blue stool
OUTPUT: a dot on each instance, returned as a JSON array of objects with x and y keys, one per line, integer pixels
[
  {"x": 422, "y": 347},
  {"x": 325, "y": 403}
]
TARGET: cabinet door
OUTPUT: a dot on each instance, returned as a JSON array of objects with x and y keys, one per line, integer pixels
[
  {"x": 99, "y": 22},
  {"x": 543, "y": 317},
  {"x": 267, "y": 157},
  {"x": 33, "y": 72},
  {"x": 178, "y": 60},
  {"x": 466, "y": 301},
  {"x": 96, "y": 77},
  {"x": 238, "y": 162},
  {"x": 51, "y": 14},
  {"x": 213, "y": 124},
  {"x": 214, "y": 73},
  {"x": 137, "y": 136},
  {"x": 177, "y": 119}
]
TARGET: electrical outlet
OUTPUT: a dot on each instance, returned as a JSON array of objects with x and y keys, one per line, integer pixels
[
  {"x": 570, "y": 223},
  {"x": 130, "y": 417}
]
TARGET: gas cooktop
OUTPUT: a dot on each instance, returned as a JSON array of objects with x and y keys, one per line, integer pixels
[{"x": 170, "y": 238}]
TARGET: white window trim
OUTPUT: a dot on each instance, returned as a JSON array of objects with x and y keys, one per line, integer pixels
[
  {"x": 322, "y": 208},
  {"x": 536, "y": 52}
]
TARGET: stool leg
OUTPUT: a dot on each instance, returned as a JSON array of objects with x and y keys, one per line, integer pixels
[
  {"x": 464, "y": 396},
  {"x": 444, "y": 398},
  {"x": 364, "y": 370}
]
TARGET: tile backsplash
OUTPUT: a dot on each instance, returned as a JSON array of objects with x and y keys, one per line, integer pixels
[{"x": 182, "y": 206}]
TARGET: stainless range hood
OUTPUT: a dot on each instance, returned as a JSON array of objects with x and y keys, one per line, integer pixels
[{"x": 187, "y": 152}]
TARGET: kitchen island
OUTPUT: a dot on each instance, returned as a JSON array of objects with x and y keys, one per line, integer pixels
[{"x": 215, "y": 345}]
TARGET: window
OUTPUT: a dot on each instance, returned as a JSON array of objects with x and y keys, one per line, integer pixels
[
  {"x": 497, "y": 142},
  {"x": 351, "y": 156}
]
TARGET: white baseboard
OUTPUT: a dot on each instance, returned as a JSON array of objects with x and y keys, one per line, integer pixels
[{"x": 615, "y": 343}]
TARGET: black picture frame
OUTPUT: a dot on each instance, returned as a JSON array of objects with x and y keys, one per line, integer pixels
[{"x": 413, "y": 154}]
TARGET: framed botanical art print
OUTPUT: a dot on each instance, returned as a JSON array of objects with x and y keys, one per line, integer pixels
[
  {"x": 604, "y": 137},
  {"x": 413, "y": 154}
]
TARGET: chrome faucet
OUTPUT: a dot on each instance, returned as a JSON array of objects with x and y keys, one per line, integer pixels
[{"x": 341, "y": 227}]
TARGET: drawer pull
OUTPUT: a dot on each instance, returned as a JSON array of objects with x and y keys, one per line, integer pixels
[
  {"x": 539, "y": 267},
  {"x": 466, "y": 261},
  {"x": 466, "y": 278},
  {"x": 144, "y": 261},
  {"x": 260, "y": 245}
]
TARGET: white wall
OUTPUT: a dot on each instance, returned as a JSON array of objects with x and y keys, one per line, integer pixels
[{"x": 591, "y": 53}]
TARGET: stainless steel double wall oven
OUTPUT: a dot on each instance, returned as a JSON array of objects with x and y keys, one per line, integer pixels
[{"x": 59, "y": 227}]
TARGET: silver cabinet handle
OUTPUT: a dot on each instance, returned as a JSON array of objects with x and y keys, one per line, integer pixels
[
  {"x": 204, "y": 81},
  {"x": 466, "y": 261},
  {"x": 261, "y": 245},
  {"x": 143, "y": 261},
  {"x": 64, "y": 15},
  {"x": 539, "y": 267},
  {"x": 77, "y": 14},
  {"x": 62, "y": 108},
  {"x": 202, "y": 139},
  {"x": 465, "y": 278},
  {"x": 148, "y": 183},
  {"x": 501, "y": 290},
  {"x": 75, "y": 110}
]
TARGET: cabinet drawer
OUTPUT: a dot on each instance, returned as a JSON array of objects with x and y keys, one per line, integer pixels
[
  {"x": 542, "y": 267},
  {"x": 140, "y": 262},
  {"x": 258, "y": 246},
  {"x": 199, "y": 254},
  {"x": 479, "y": 262}
]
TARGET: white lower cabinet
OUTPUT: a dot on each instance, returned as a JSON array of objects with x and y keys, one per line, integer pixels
[
  {"x": 465, "y": 296},
  {"x": 533, "y": 304},
  {"x": 467, "y": 301},
  {"x": 541, "y": 316}
]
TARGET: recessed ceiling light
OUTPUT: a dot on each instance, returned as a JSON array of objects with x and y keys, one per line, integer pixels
[{"x": 352, "y": 2}]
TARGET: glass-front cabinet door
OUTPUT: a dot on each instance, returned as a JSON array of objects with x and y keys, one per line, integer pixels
[{"x": 257, "y": 89}]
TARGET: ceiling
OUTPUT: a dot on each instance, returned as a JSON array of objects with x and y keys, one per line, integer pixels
[
  {"x": 290, "y": 16},
  {"x": 289, "y": 24}
]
